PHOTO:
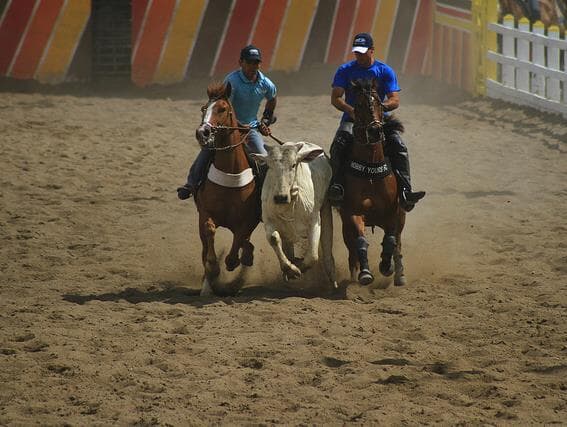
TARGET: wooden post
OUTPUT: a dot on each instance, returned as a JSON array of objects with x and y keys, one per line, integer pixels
[
  {"x": 523, "y": 75},
  {"x": 484, "y": 12},
  {"x": 553, "y": 87},
  {"x": 508, "y": 49},
  {"x": 538, "y": 80}
]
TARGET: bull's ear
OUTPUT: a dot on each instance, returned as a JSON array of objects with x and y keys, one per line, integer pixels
[
  {"x": 259, "y": 157},
  {"x": 308, "y": 151}
]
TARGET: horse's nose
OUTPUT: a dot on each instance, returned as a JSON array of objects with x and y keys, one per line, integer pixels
[
  {"x": 280, "y": 199},
  {"x": 203, "y": 132}
]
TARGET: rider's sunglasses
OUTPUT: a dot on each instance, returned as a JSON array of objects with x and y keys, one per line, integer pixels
[{"x": 252, "y": 61}]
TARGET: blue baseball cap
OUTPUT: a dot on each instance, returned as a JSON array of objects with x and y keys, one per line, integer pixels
[
  {"x": 251, "y": 53},
  {"x": 362, "y": 42}
]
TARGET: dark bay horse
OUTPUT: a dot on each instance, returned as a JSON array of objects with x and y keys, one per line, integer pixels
[
  {"x": 371, "y": 191},
  {"x": 229, "y": 197}
]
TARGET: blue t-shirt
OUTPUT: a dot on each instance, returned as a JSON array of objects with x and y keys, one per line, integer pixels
[
  {"x": 383, "y": 73},
  {"x": 246, "y": 96}
]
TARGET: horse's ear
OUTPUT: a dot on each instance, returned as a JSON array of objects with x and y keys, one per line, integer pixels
[{"x": 228, "y": 90}]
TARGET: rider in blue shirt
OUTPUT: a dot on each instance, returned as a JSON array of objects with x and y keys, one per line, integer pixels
[
  {"x": 342, "y": 98},
  {"x": 249, "y": 87}
]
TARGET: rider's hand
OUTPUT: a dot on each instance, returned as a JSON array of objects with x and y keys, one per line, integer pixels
[{"x": 264, "y": 128}]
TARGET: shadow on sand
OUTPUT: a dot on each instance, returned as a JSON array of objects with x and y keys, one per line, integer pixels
[{"x": 172, "y": 293}]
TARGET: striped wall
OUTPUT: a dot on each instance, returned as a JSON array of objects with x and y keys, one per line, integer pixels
[
  {"x": 39, "y": 38},
  {"x": 176, "y": 40},
  {"x": 291, "y": 34}
]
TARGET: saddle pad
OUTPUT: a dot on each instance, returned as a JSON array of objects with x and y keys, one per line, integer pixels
[{"x": 232, "y": 180}]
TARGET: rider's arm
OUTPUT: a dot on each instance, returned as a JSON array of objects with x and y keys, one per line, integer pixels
[
  {"x": 338, "y": 101},
  {"x": 392, "y": 101},
  {"x": 269, "y": 108}
]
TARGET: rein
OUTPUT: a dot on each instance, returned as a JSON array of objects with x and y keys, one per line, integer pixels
[{"x": 217, "y": 128}]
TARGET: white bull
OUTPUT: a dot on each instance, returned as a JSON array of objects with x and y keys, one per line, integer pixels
[{"x": 294, "y": 206}]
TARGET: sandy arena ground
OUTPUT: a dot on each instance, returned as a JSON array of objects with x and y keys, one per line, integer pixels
[{"x": 101, "y": 322}]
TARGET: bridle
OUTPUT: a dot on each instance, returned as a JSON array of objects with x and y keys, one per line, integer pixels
[
  {"x": 209, "y": 144},
  {"x": 371, "y": 98}
]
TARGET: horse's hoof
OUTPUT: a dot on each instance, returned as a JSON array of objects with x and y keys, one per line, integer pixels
[
  {"x": 387, "y": 269},
  {"x": 231, "y": 263},
  {"x": 400, "y": 281},
  {"x": 247, "y": 261},
  {"x": 365, "y": 277}
]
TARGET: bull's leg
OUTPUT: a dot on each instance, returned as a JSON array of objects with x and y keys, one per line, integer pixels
[
  {"x": 327, "y": 243},
  {"x": 289, "y": 270},
  {"x": 312, "y": 249},
  {"x": 388, "y": 247},
  {"x": 212, "y": 270},
  {"x": 399, "y": 276},
  {"x": 289, "y": 250}
]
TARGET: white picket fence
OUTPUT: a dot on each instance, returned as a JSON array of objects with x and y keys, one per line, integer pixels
[{"x": 533, "y": 66}]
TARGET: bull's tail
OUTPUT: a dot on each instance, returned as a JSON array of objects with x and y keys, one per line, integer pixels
[{"x": 327, "y": 243}]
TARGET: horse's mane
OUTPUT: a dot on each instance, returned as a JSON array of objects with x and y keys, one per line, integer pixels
[
  {"x": 216, "y": 90},
  {"x": 392, "y": 124}
]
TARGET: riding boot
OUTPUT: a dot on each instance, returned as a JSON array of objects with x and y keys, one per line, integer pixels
[
  {"x": 399, "y": 159},
  {"x": 336, "y": 191},
  {"x": 197, "y": 174}
]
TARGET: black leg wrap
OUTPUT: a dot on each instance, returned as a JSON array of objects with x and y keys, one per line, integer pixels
[
  {"x": 362, "y": 252},
  {"x": 388, "y": 246}
]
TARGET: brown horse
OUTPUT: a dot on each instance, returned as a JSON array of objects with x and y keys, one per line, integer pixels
[
  {"x": 229, "y": 197},
  {"x": 550, "y": 12},
  {"x": 371, "y": 191}
]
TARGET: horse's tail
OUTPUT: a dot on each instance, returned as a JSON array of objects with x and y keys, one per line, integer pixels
[
  {"x": 392, "y": 124},
  {"x": 327, "y": 242}
]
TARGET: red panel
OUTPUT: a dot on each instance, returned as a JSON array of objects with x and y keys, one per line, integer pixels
[
  {"x": 457, "y": 58},
  {"x": 138, "y": 11},
  {"x": 268, "y": 27},
  {"x": 12, "y": 29},
  {"x": 340, "y": 37},
  {"x": 462, "y": 14},
  {"x": 37, "y": 36},
  {"x": 151, "y": 42},
  {"x": 438, "y": 52},
  {"x": 236, "y": 37},
  {"x": 362, "y": 23},
  {"x": 421, "y": 38},
  {"x": 467, "y": 82},
  {"x": 447, "y": 53}
]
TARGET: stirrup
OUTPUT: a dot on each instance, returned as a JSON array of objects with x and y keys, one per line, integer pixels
[
  {"x": 408, "y": 199},
  {"x": 336, "y": 194},
  {"x": 185, "y": 192}
]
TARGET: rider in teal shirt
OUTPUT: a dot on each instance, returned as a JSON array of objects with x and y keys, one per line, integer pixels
[{"x": 249, "y": 88}]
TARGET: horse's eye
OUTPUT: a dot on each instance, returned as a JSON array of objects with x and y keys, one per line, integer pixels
[{"x": 222, "y": 110}]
